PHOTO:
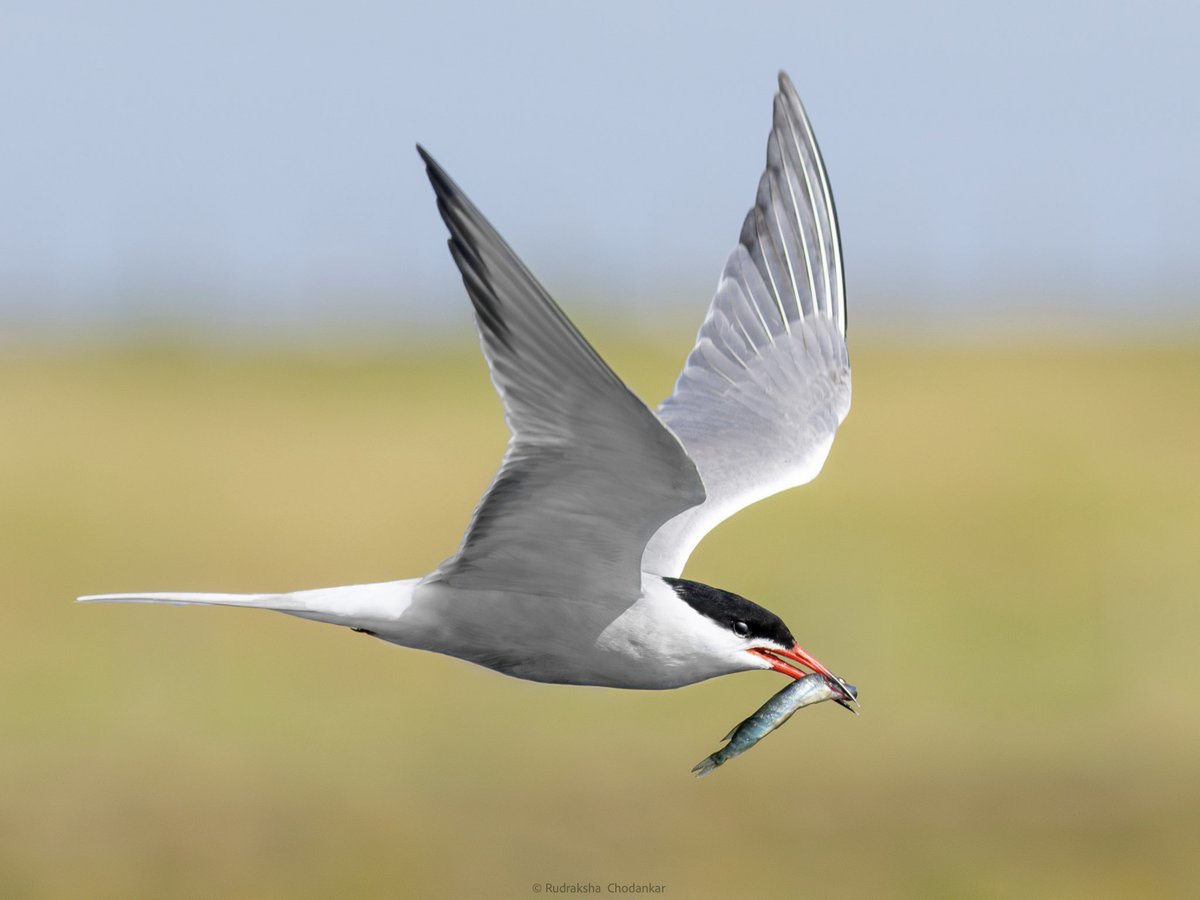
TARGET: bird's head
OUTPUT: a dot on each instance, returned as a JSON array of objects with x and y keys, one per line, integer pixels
[{"x": 753, "y": 637}]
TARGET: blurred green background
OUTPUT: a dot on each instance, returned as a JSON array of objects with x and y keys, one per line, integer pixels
[{"x": 1001, "y": 553}]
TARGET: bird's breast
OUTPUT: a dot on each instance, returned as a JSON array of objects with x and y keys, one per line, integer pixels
[{"x": 562, "y": 640}]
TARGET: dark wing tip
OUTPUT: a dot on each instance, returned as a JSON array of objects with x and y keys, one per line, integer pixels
[
  {"x": 443, "y": 184},
  {"x": 432, "y": 169},
  {"x": 425, "y": 157}
]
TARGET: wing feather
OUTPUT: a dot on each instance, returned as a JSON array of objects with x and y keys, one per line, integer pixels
[
  {"x": 768, "y": 382},
  {"x": 590, "y": 472}
]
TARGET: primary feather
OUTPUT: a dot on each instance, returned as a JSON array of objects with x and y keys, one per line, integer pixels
[
  {"x": 768, "y": 381},
  {"x": 590, "y": 473}
]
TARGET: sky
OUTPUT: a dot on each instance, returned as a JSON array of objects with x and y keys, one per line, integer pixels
[{"x": 236, "y": 164}]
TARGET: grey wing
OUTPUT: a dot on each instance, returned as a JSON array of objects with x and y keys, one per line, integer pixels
[
  {"x": 768, "y": 382},
  {"x": 590, "y": 472}
]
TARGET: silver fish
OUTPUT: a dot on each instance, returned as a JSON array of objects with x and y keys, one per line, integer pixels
[{"x": 803, "y": 692}]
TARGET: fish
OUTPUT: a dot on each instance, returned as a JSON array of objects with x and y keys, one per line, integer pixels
[{"x": 802, "y": 692}]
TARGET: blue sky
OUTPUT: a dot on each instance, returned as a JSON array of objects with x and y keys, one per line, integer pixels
[{"x": 233, "y": 163}]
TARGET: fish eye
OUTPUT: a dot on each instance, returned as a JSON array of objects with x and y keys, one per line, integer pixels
[{"x": 741, "y": 629}]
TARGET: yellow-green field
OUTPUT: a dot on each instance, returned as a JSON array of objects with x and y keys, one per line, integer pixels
[{"x": 1003, "y": 552}]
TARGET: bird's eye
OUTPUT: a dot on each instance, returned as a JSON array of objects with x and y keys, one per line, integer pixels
[{"x": 741, "y": 628}]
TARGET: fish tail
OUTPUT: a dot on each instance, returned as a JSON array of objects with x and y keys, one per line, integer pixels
[{"x": 707, "y": 764}]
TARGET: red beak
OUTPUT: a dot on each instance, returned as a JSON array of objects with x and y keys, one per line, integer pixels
[{"x": 797, "y": 653}]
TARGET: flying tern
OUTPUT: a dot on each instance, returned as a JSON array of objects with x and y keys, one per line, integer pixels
[{"x": 570, "y": 569}]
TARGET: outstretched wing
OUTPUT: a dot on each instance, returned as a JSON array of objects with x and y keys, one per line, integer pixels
[
  {"x": 768, "y": 382},
  {"x": 590, "y": 473}
]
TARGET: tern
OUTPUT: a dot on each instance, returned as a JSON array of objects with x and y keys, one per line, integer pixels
[{"x": 570, "y": 570}]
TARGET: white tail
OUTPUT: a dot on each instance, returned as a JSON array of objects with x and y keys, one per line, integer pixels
[
  {"x": 281, "y": 602},
  {"x": 359, "y": 605}
]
